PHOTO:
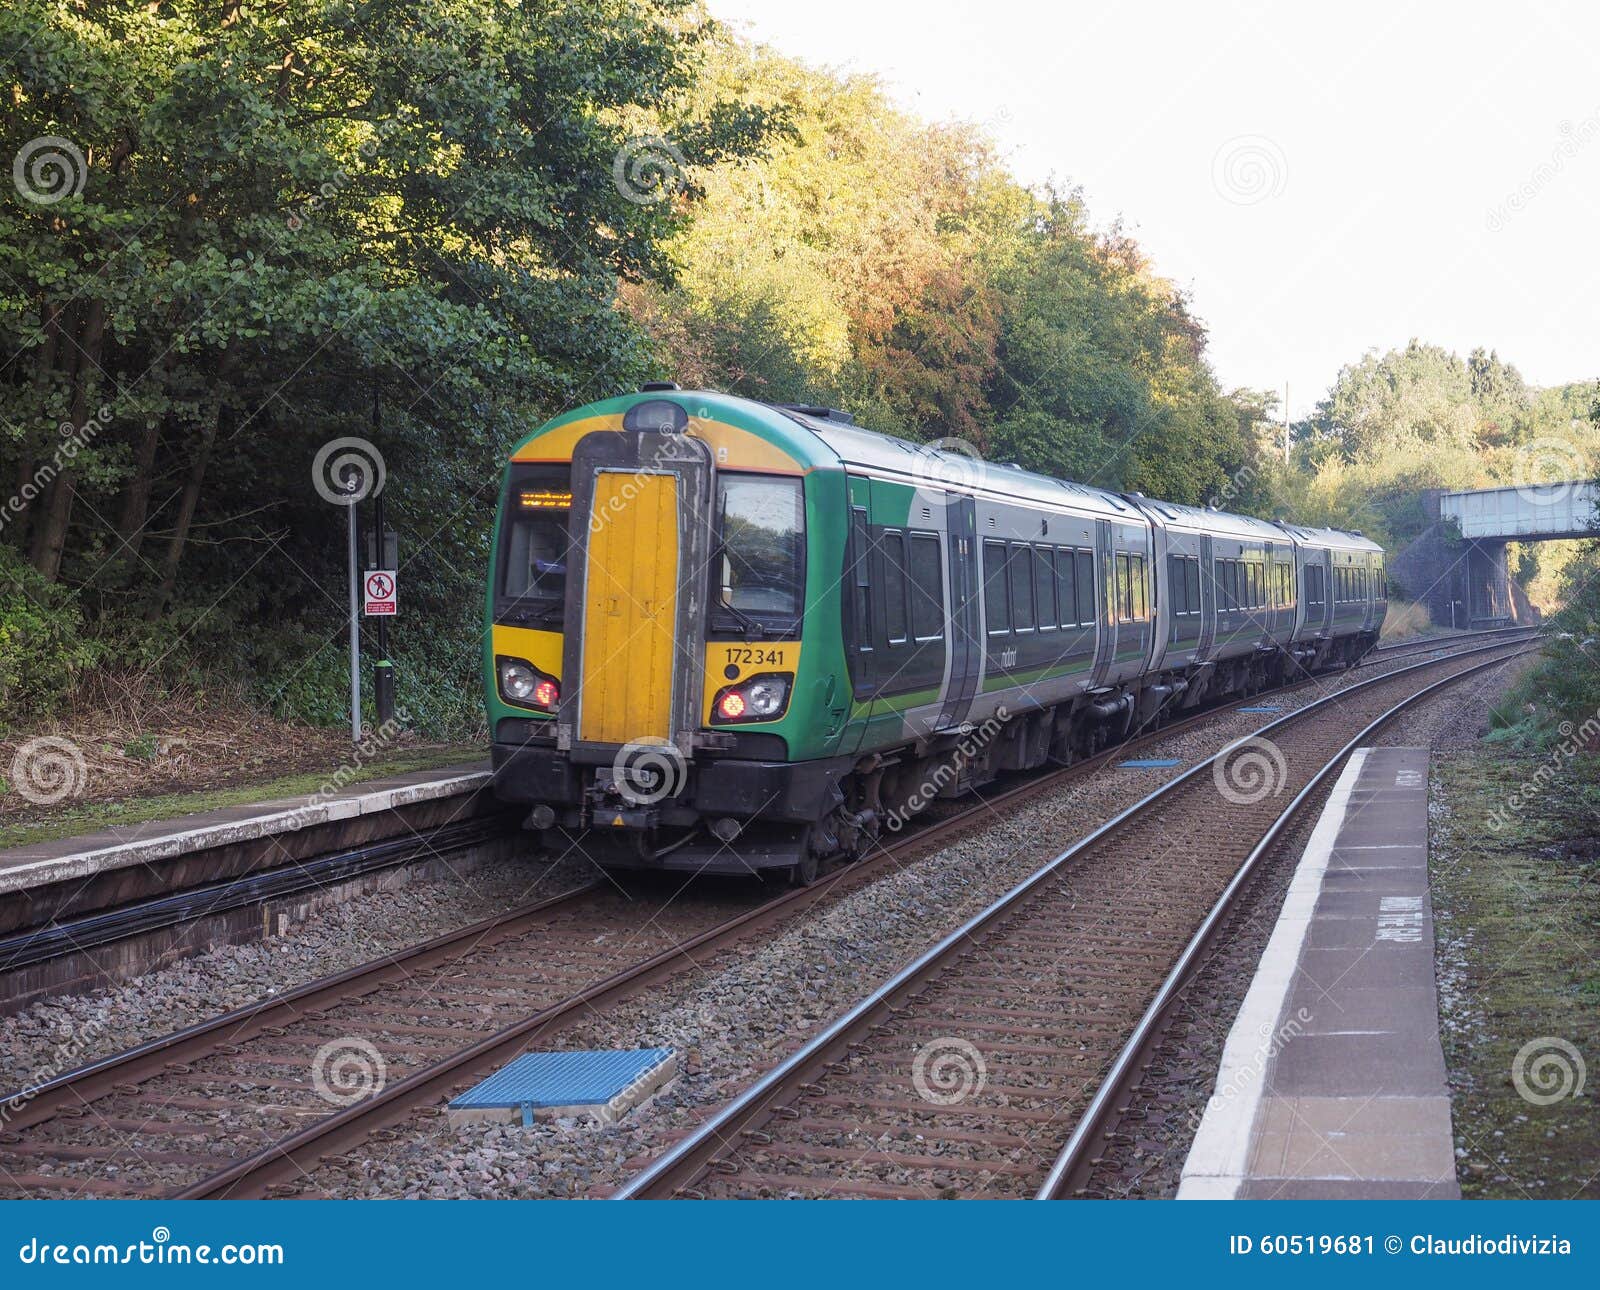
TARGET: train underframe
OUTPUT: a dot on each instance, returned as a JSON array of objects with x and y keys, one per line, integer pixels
[{"x": 747, "y": 815}]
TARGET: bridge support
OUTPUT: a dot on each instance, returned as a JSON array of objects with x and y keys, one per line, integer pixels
[{"x": 1461, "y": 583}]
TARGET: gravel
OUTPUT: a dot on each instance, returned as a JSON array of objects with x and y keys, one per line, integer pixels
[
  {"x": 55, "y": 1035},
  {"x": 1173, "y": 1098},
  {"x": 731, "y": 1017},
  {"x": 737, "y": 1015}
]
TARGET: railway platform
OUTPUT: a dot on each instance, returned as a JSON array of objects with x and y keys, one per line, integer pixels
[
  {"x": 63, "y": 884},
  {"x": 1332, "y": 1082}
]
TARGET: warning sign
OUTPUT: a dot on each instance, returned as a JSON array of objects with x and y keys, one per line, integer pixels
[{"x": 380, "y": 589}]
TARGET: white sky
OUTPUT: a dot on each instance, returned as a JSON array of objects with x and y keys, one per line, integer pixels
[{"x": 1322, "y": 179}]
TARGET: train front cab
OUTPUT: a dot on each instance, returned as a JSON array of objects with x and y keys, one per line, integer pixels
[{"x": 649, "y": 684}]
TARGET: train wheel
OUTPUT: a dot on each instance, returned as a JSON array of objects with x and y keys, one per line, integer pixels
[{"x": 805, "y": 872}]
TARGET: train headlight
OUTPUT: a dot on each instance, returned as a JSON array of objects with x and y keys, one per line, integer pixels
[
  {"x": 765, "y": 697},
  {"x": 761, "y": 698},
  {"x": 525, "y": 685}
]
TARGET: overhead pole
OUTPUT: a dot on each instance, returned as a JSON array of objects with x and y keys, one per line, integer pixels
[{"x": 1286, "y": 423}]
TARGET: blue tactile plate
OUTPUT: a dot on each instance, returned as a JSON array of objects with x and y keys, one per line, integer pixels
[
  {"x": 1149, "y": 763},
  {"x": 562, "y": 1079}
]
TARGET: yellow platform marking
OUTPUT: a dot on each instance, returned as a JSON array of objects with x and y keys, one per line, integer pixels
[{"x": 630, "y": 609}]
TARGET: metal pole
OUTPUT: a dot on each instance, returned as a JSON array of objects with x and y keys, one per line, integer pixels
[
  {"x": 383, "y": 667},
  {"x": 355, "y": 631}
]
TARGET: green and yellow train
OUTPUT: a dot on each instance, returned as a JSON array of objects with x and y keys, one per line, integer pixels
[{"x": 726, "y": 636}]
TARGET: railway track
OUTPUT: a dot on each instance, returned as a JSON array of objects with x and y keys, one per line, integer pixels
[
  {"x": 966, "y": 1072},
  {"x": 249, "y": 1103},
  {"x": 1402, "y": 649},
  {"x": 73, "y": 936}
]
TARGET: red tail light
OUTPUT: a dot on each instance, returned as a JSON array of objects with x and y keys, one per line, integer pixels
[
  {"x": 546, "y": 693},
  {"x": 731, "y": 705}
]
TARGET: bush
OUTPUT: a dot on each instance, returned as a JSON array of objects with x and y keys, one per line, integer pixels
[
  {"x": 43, "y": 648},
  {"x": 1563, "y": 685}
]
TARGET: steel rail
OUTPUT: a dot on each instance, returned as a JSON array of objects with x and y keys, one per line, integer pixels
[
  {"x": 292, "y": 1157},
  {"x": 687, "y": 1158},
  {"x": 288, "y": 1158},
  {"x": 1074, "y": 1161},
  {"x": 57, "y": 939}
]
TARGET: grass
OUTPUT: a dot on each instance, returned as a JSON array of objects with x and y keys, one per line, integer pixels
[
  {"x": 93, "y": 817},
  {"x": 1515, "y": 867},
  {"x": 1405, "y": 621}
]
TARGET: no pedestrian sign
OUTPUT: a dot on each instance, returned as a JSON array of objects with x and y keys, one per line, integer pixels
[{"x": 381, "y": 593}]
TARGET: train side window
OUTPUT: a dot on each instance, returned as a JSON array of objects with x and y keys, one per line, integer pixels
[
  {"x": 1066, "y": 586},
  {"x": 894, "y": 587},
  {"x": 1124, "y": 588},
  {"x": 927, "y": 588},
  {"x": 1088, "y": 611},
  {"x": 1383, "y": 582},
  {"x": 1044, "y": 581},
  {"x": 996, "y": 600},
  {"x": 1175, "y": 581},
  {"x": 862, "y": 577},
  {"x": 1020, "y": 562},
  {"x": 1141, "y": 598},
  {"x": 1191, "y": 578}
]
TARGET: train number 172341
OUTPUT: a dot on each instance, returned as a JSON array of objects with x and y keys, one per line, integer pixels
[{"x": 758, "y": 655}]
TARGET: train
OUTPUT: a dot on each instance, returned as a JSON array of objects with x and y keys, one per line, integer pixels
[{"x": 726, "y": 636}]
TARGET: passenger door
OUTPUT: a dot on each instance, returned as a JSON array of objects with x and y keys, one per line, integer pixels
[
  {"x": 1106, "y": 576},
  {"x": 965, "y": 631}
]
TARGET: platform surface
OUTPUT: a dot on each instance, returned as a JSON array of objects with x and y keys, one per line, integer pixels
[
  {"x": 1332, "y": 1083},
  {"x": 37, "y": 863}
]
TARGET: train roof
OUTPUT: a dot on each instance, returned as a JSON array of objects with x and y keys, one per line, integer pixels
[
  {"x": 818, "y": 436},
  {"x": 935, "y": 466},
  {"x": 1335, "y": 539},
  {"x": 1214, "y": 521}
]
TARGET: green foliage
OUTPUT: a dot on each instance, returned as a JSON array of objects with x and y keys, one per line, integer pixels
[
  {"x": 268, "y": 218},
  {"x": 1421, "y": 417},
  {"x": 42, "y": 646},
  {"x": 141, "y": 748},
  {"x": 1563, "y": 686}
]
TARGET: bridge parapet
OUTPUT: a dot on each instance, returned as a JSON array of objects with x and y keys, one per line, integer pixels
[{"x": 1524, "y": 513}]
